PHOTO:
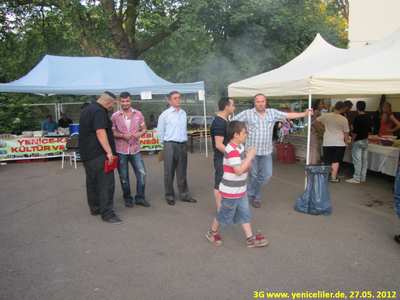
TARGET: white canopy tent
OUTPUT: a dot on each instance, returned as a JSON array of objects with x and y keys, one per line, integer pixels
[{"x": 324, "y": 71}]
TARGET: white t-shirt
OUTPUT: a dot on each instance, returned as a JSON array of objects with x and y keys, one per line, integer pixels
[{"x": 335, "y": 126}]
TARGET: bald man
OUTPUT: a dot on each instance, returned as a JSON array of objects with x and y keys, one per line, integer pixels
[{"x": 96, "y": 145}]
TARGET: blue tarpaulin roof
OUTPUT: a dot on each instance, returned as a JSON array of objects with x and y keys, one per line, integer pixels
[{"x": 93, "y": 76}]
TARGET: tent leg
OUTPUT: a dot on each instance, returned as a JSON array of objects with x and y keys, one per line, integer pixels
[
  {"x": 205, "y": 126},
  {"x": 308, "y": 137}
]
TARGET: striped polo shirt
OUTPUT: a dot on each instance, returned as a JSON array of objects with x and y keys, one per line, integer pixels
[{"x": 233, "y": 185}]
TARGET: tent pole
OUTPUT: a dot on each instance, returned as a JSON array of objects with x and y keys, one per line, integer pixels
[
  {"x": 205, "y": 125},
  {"x": 58, "y": 111},
  {"x": 308, "y": 136}
]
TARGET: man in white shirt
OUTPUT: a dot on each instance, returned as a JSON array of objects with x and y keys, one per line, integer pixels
[{"x": 336, "y": 137}]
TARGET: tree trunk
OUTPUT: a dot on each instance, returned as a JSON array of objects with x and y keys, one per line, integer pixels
[{"x": 115, "y": 26}]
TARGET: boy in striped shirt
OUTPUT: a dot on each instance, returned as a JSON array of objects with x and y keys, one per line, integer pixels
[{"x": 233, "y": 188}]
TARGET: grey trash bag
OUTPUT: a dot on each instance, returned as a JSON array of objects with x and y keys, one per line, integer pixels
[{"x": 315, "y": 199}]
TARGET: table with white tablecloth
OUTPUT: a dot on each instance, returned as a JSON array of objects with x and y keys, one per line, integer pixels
[{"x": 380, "y": 158}]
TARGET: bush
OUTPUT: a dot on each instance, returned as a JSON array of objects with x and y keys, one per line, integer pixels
[{"x": 16, "y": 117}]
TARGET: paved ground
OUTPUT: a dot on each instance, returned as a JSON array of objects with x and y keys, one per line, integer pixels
[{"x": 52, "y": 248}]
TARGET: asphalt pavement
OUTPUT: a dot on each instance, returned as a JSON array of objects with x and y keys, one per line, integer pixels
[{"x": 53, "y": 248}]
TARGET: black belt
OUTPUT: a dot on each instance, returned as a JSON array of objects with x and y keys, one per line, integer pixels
[{"x": 176, "y": 142}]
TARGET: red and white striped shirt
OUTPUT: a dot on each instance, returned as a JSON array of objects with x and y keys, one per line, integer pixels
[{"x": 233, "y": 185}]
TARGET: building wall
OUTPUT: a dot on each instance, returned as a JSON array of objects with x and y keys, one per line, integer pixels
[
  {"x": 372, "y": 20},
  {"x": 369, "y": 22}
]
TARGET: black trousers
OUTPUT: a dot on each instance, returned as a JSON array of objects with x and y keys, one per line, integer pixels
[
  {"x": 100, "y": 187},
  {"x": 175, "y": 160}
]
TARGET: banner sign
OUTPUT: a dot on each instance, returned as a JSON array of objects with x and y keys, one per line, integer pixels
[
  {"x": 21, "y": 147},
  {"x": 150, "y": 142},
  {"x": 26, "y": 147}
]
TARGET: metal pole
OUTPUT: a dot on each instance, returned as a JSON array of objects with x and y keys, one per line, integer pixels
[
  {"x": 57, "y": 111},
  {"x": 308, "y": 136},
  {"x": 205, "y": 125}
]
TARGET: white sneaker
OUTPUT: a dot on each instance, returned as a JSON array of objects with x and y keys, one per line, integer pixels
[
  {"x": 362, "y": 180},
  {"x": 352, "y": 180}
]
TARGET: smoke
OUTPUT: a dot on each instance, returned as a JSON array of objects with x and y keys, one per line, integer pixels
[{"x": 238, "y": 58}]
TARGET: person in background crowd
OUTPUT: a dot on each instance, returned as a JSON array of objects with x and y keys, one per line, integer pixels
[
  {"x": 316, "y": 134},
  {"x": 128, "y": 126},
  {"x": 152, "y": 123},
  {"x": 275, "y": 136},
  {"x": 348, "y": 106},
  {"x": 397, "y": 198},
  {"x": 298, "y": 125},
  {"x": 96, "y": 145},
  {"x": 260, "y": 124},
  {"x": 295, "y": 125},
  {"x": 49, "y": 125},
  {"x": 362, "y": 129},
  {"x": 219, "y": 141},
  {"x": 172, "y": 132},
  {"x": 84, "y": 105},
  {"x": 64, "y": 121},
  {"x": 336, "y": 137},
  {"x": 387, "y": 120},
  {"x": 285, "y": 129}
]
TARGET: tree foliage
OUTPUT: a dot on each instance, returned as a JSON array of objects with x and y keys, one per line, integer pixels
[
  {"x": 342, "y": 6},
  {"x": 241, "y": 38},
  {"x": 131, "y": 27},
  {"x": 15, "y": 117},
  {"x": 218, "y": 41}
]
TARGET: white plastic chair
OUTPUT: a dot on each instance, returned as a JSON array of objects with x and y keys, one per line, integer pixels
[{"x": 70, "y": 151}]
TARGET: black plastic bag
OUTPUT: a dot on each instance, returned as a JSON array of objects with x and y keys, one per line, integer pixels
[{"x": 315, "y": 199}]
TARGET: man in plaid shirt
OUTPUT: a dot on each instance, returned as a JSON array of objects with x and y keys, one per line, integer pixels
[{"x": 260, "y": 124}]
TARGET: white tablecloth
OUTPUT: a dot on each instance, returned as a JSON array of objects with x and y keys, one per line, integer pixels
[{"x": 380, "y": 158}]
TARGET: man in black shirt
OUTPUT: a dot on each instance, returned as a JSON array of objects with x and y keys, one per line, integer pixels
[
  {"x": 96, "y": 144},
  {"x": 219, "y": 140},
  {"x": 362, "y": 128},
  {"x": 64, "y": 121}
]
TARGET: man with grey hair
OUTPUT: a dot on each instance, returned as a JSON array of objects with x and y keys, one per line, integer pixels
[
  {"x": 172, "y": 132},
  {"x": 96, "y": 145}
]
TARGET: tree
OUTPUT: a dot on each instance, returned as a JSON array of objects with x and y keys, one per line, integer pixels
[
  {"x": 16, "y": 117},
  {"x": 134, "y": 26},
  {"x": 218, "y": 41},
  {"x": 28, "y": 35},
  {"x": 342, "y": 6},
  {"x": 254, "y": 36}
]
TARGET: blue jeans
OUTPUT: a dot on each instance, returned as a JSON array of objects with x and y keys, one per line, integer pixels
[
  {"x": 137, "y": 163},
  {"x": 233, "y": 209},
  {"x": 359, "y": 154},
  {"x": 260, "y": 173},
  {"x": 397, "y": 192}
]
